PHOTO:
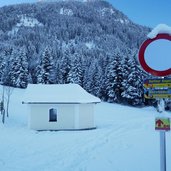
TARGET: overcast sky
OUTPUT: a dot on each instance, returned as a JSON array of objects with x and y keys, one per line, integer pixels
[{"x": 146, "y": 12}]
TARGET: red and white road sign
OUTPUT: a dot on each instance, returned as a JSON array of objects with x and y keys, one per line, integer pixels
[{"x": 142, "y": 58}]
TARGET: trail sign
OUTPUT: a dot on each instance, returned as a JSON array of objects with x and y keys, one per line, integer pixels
[
  {"x": 157, "y": 93},
  {"x": 157, "y": 88},
  {"x": 162, "y": 124},
  {"x": 157, "y": 83}
]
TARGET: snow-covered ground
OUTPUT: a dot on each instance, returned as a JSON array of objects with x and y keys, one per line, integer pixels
[{"x": 125, "y": 140}]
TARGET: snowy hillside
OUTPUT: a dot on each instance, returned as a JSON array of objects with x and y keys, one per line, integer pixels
[
  {"x": 125, "y": 140},
  {"x": 73, "y": 42},
  {"x": 25, "y": 22}
]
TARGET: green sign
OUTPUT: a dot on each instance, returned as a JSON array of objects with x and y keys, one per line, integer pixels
[{"x": 162, "y": 124}]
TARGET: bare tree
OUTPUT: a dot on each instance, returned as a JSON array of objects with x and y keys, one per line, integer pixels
[
  {"x": 8, "y": 92},
  {"x": 2, "y": 106}
]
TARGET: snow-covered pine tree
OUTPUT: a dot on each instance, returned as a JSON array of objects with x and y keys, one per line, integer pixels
[
  {"x": 142, "y": 76},
  {"x": 12, "y": 69},
  {"x": 104, "y": 60},
  {"x": 75, "y": 74},
  {"x": 63, "y": 67},
  {"x": 45, "y": 68},
  {"x": 127, "y": 62},
  {"x": 114, "y": 78},
  {"x": 97, "y": 80},
  {"x": 22, "y": 79},
  {"x": 16, "y": 69},
  {"x": 93, "y": 78},
  {"x": 87, "y": 79},
  {"x": 39, "y": 73},
  {"x": 2, "y": 66},
  {"x": 133, "y": 91}
]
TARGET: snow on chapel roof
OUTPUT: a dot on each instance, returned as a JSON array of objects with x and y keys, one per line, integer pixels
[
  {"x": 58, "y": 93},
  {"x": 161, "y": 28}
]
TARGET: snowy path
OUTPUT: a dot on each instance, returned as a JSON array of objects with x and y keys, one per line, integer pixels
[{"x": 125, "y": 140}]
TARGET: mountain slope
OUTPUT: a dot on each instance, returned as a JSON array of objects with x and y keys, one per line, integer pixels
[
  {"x": 68, "y": 41},
  {"x": 91, "y": 21}
]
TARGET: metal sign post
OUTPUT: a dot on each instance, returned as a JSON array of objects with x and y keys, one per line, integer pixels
[
  {"x": 162, "y": 151},
  {"x": 163, "y": 125}
]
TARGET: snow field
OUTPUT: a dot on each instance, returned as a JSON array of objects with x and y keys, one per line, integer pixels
[{"x": 125, "y": 140}]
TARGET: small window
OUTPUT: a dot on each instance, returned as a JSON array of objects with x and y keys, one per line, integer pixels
[{"x": 53, "y": 115}]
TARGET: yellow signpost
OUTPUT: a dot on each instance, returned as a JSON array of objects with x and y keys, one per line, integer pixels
[
  {"x": 168, "y": 85},
  {"x": 157, "y": 83}
]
